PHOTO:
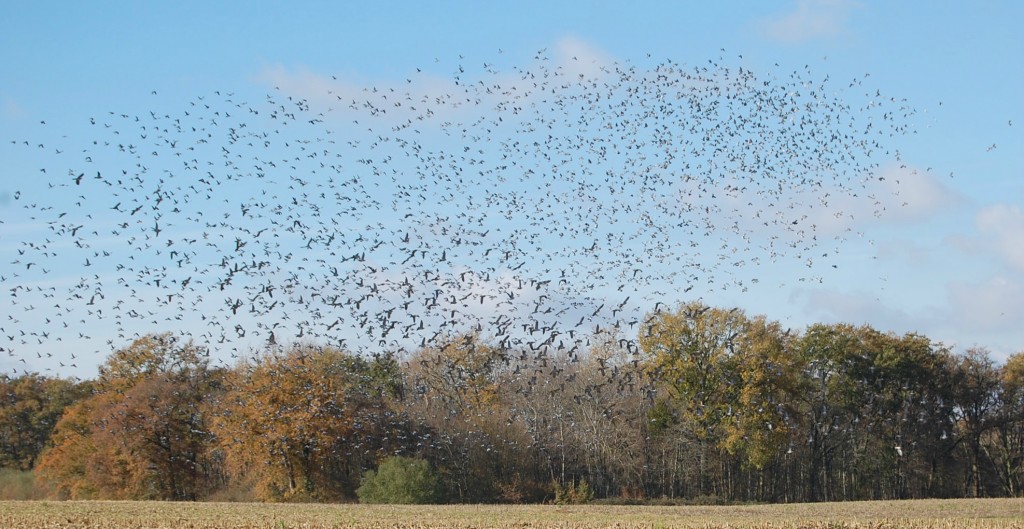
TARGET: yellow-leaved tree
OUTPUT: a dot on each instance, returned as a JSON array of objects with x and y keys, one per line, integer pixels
[{"x": 729, "y": 380}]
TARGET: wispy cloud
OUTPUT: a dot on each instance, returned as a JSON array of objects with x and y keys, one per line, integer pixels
[
  {"x": 973, "y": 312},
  {"x": 390, "y": 100},
  {"x": 983, "y": 312},
  {"x": 909, "y": 252},
  {"x": 11, "y": 109},
  {"x": 898, "y": 195},
  {"x": 860, "y": 307},
  {"x": 986, "y": 306},
  {"x": 399, "y": 100},
  {"x": 1001, "y": 227},
  {"x": 916, "y": 195},
  {"x": 810, "y": 20},
  {"x": 580, "y": 58}
]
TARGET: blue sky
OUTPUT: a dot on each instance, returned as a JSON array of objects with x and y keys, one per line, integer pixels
[{"x": 946, "y": 260}]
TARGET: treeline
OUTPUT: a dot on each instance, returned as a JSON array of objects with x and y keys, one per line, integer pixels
[{"x": 705, "y": 403}]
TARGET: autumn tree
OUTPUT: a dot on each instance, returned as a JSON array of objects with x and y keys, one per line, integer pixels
[
  {"x": 460, "y": 373},
  {"x": 30, "y": 406},
  {"x": 142, "y": 434},
  {"x": 455, "y": 390},
  {"x": 73, "y": 464},
  {"x": 712, "y": 403},
  {"x": 1006, "y": 444},
  {"x": 763, "y": 378},
  {"x": 729, "y": 376},
  {"x": 690, "y": 350},
  {"x": 301, "y": 423}
]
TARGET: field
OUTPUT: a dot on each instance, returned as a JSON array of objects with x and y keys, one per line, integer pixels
[{"x": 996, "y": 513}]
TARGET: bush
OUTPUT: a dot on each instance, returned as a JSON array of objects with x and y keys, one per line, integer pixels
[
  {"x": 20, "y": 485},
  {"x": 519, "y": 490},
  {"x": 400, "y": 480},
  {"x": 573, "y": 493},
  {"x": 233, "y": 492}
]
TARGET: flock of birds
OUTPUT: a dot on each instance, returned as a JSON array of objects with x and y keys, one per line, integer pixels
[{"x": 535, "y": 207}]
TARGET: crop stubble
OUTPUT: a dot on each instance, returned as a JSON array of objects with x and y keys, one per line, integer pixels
[{"x": 951, "y": 514}]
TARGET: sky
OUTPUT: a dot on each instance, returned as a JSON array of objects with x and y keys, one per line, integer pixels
[{"x": 946, "y": 260}]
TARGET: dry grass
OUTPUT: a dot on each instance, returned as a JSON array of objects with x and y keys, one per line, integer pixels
[{"x": 953, "y": 514}]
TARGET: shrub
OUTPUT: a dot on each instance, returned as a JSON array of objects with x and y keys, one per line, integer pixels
[
  {"x": 573, "y": 493},
  {"x": 519, "y": 490},
  {"x": 20, "y": 485},
  {"x": 400, "y": 480}
]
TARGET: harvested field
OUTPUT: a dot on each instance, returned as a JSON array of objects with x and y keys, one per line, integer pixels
[{"x": 985, "y": 513}]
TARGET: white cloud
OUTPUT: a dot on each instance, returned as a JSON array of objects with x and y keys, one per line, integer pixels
[
  {"x": 579, "y": 58},
  {"x": 812, "y": 19},
  {"x": 899, "y": 195},
  {"x": 989, "y": 305},
  {"x": 907, "y": 251},
  {"x": 389, "y": 100},
  {"x": 1002, "y": 229},
  {"x": 972, "y": 313},
  {"x": 304, "y": 82},
  {"x": 915, "y": 195},
  {"x": 833, "y": 306},
  {"x": 409, "y": 98},
  {"x": 984, "y": 313}
]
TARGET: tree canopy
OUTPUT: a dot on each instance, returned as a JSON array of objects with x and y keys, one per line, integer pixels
[{"x": 714, "y": 403}]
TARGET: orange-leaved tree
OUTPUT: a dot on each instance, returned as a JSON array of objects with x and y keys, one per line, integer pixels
[
  {"x": 141, "y": 435},
  {"x": 303, "y": 422}
]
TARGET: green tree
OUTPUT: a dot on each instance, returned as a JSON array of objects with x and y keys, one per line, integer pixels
[
  {"x": 907, "y": 415},
  {"x": 831, "y": 397},
  {"x": 573, "y": 493},
  {"x": 976, "y": 384},
  {"x": 401, "y": 480}
]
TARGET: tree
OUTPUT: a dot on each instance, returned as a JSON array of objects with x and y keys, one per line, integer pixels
[
  {"x": 976, "y": 397},
  {"x": 764, "y": 378},
  {"x": 690, "y": 351},
  {"x": 69, "y": 464},
  {"x": 299, "y": 424},
  {"x": 585, "y": 416},
  {"x": 907, "y": 414},
  {"x": 462, "y": 373},
  {"x": 730, "y": 378},
  {"x": 1008, "y": 439},
  {"x": 152, "y": 356},
  {"x": 30, "y": 406},
  {"x": 831, "y": 397},
  {"x": 402, "y": 480},
  {"x": 454, "y": 389},
  {"x": 142, "y": 434}
]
